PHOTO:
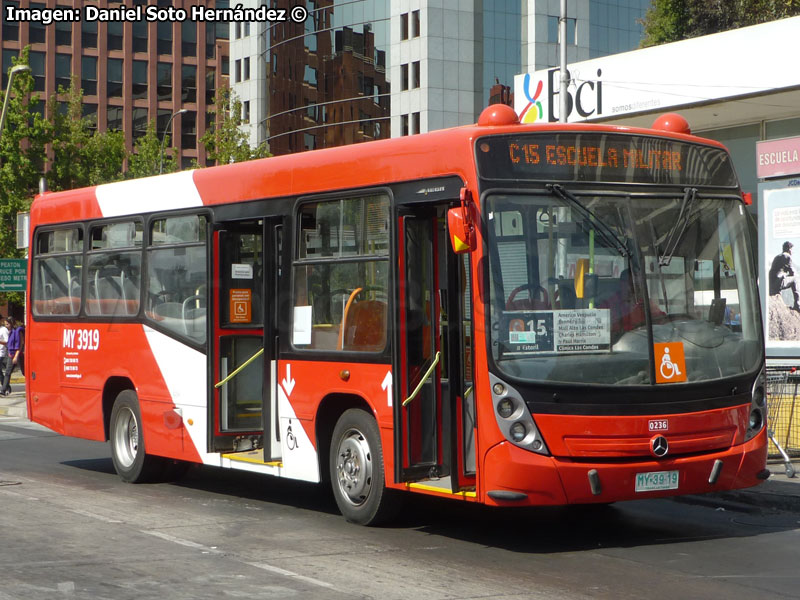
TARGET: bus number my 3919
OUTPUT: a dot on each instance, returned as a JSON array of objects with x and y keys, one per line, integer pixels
[{"x": 81, "y": 339}]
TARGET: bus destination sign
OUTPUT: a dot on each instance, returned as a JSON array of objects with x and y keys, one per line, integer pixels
[{"x": 615, "y": 158}]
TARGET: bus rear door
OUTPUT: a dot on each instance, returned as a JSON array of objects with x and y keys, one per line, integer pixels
[{"x": 243, "y": 409}]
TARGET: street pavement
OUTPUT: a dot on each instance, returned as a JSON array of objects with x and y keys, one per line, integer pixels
[{"x": 779, "y": 492}]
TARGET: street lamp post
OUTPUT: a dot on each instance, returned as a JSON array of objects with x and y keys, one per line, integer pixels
[
  {"x": 164, "y": 138},
  {"x": 14, "y": 70}
]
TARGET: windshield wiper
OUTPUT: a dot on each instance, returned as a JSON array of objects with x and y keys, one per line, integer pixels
[
  {"x": 683, "y": 220},
  {"x": 606, "y": 233}
]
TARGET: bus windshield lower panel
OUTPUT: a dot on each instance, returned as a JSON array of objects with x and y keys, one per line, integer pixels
[{"x": 582, "y": 291}]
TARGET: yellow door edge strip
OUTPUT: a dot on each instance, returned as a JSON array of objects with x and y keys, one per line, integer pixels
[
  {"x": 433, "y": 488},
  {"x": 251, "y": 459}
]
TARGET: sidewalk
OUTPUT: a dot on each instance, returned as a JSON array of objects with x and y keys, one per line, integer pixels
[
  {"x": 13, "y": 405},
  {"x": 777, "y": 493}
]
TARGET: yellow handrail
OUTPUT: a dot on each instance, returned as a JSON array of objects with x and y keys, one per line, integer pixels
[
  {"x": 424, "y": 379},
  {"x": 236, "y": 371}
]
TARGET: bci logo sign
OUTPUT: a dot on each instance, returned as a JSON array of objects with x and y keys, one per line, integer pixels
[{"x": 586, "y": 99}]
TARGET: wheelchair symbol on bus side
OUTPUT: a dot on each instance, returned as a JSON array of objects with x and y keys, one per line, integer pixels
[{"x": 291, "y": 441}]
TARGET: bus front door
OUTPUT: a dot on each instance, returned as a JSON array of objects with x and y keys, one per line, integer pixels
[
  {"x": 245, "y": 267},
  {"x": 434, "y": 431}
]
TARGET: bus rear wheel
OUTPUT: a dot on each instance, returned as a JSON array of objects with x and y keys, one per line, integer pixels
[
  {"x": 357, "y": 471},
  {"x": 126, "y": 437}
]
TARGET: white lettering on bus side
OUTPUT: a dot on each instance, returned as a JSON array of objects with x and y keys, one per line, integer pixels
[{"x": 81, "y": 339}]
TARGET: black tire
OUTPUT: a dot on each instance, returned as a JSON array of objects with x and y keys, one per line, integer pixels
[
  {"x": 132, "y": 463},
  {"x": 357, "y": 472}
]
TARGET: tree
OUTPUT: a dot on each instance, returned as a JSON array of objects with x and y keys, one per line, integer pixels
[
  {"x": 81, "y": 157},
  {"x": 674, "y": 20},
  {"x": 146, "y": 158},
  {"x": 227, "y": 142},
  {"x": 22, "y": 159}
]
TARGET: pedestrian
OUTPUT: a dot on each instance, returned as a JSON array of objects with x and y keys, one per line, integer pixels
[
  {"x": 782, "y": 276},
  {"x": 3, "y": 347},
  {"x": 15, "y": 348}
]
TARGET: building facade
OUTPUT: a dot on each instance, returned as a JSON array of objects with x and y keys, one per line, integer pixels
[
  {"x": 131, "y": 71},
  {"x": 354, "y": 71},
  {"x": 712, "y": 81}
]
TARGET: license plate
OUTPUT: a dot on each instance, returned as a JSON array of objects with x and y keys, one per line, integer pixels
[{"x": 656, "y": 480}]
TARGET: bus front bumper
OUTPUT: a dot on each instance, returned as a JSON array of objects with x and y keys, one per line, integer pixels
[{"x": 517, "y": 477}]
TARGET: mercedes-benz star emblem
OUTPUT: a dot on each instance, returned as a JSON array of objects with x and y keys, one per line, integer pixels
[{"x": 659, "y": 446}]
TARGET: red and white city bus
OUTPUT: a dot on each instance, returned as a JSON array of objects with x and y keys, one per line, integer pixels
[{"x": 507, "y": 314}]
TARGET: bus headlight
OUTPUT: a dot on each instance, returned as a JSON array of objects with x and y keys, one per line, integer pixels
[
  {"x": 514, "y": 419},
  {"x": 756, "y": 419},
  {"x": 505, "y": 408},
  {"x": 758, "y": 406},
  {"x": 518, "y": 431}
]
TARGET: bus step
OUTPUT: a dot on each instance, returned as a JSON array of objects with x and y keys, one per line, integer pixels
[{"x": 252, "y": 456}]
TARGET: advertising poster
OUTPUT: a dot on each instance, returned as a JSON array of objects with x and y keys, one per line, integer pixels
[{"x": 780, "y": 268}]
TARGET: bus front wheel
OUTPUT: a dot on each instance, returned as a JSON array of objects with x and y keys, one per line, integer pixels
[
  {"x": 357, "y": 472},
  {"x": 131, "y": 462}
]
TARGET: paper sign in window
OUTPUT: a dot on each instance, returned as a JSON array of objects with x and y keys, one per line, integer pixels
[
  {"x": 301, "y": 330},
  {"x": 241, "y": 271}
]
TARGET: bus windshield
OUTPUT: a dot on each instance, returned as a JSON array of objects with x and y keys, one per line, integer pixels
[{"x": 582, "y": 285}]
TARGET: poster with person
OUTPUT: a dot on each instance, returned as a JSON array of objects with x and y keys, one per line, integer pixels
[{"x": 780, "y": 267}]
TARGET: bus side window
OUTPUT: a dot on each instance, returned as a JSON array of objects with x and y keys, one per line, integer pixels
[
  {"x": 114, "y": 273},
  {"x": 177, "y": 277},
  {"x": 341, "y": 275},
  {"x": 57, "y": 272}
]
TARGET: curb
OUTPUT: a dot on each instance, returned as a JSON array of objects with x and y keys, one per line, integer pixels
[{"x": 13, "y": 411}]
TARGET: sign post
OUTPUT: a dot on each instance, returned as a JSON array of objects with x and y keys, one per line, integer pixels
[{"x": 13, "y": 274}]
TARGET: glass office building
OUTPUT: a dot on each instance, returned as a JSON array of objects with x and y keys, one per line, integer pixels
[{"x": 358, "y": 70}]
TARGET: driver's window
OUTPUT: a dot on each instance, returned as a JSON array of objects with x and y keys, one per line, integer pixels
[{"x": 341, "y": 275}]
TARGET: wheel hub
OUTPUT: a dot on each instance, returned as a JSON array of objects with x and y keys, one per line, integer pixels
[
  {"x": 126, "y": 438},
  {"x": 354, "y": 467}
]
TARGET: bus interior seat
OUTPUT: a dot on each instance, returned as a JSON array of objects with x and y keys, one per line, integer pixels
[
  {"x": 365, "y": 326},
  {"x": 57, "y": 295},
  {"x": 114, "y": 293},
  {"x": 566, "y": 295},
  {"x": 74, "y": 295},
  {"x": 538, "y": 298}
]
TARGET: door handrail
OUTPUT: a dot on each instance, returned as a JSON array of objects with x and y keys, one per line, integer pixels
[
  {"x": 239, "y": 368},
  {"x": 424, "y": 378}
]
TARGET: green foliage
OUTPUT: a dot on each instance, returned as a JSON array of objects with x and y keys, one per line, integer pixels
[
  {"x": 81, "y": 157},
  {"x": 674, "y": 20},
  {"x": 146, "y": 159},
  {"x": 22, "y": 157},
  {"x": 227, "y": 143}
]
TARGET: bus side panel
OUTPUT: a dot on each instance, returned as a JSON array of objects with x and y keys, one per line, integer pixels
[
  {"x": 164, "y": 431},
  {"x": 82, "y": 413},
  {"x": 306, "y": 383},
  {"x": 42, "y": 381},
  {"x": 174, "y": 398}
]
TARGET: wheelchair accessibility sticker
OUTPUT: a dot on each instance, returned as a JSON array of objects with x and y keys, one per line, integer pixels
[{"x": 670, "y": 363}]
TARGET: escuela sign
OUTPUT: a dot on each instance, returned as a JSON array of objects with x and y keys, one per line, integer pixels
[{"x": 778, "y": 158}]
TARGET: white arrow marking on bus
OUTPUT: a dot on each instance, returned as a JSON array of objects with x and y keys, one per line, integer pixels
[
  {"x": 288, "y": 382},
  {"x": 387, "y": 386}
]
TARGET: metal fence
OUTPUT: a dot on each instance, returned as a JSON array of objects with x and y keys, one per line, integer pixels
[{"x": 783, "y": 408}]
